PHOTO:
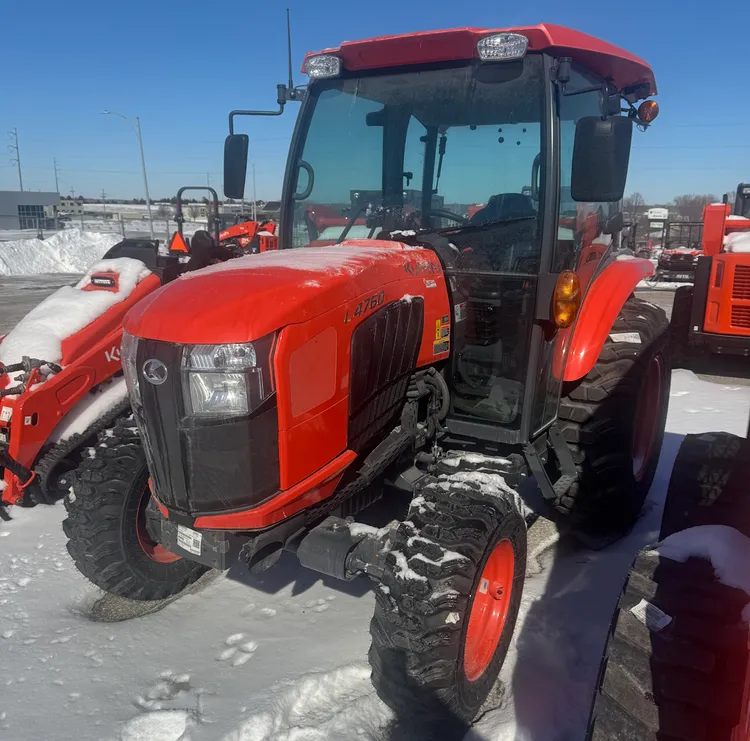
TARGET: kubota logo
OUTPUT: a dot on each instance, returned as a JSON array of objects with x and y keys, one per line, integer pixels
[
  {"x": 113, "y": 355},
  {"x": 155, "y": 372}
]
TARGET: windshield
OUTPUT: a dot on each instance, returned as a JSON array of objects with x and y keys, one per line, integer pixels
[{"x": 432, "y": 149}]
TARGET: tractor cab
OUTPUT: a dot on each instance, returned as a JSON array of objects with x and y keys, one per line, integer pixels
[
  {"x": 505, "y": 153},
  {"x": 742, "y": 201}
]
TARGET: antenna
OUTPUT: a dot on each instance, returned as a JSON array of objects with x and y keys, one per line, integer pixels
[{"x": 289, "y": 48}]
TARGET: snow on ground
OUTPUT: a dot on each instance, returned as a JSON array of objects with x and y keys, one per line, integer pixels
[
  {"x": 68, "y": 251},
  {"x": 282, "y": 656}
]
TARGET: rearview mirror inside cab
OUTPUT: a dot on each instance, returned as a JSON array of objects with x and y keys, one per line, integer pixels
[{"x": 601, "y": 151}]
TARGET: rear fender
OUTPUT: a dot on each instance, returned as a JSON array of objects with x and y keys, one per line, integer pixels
[{"x": 603, "y": 302}]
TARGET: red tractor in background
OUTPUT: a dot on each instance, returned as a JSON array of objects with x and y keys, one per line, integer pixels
[
  {"x": 438, "y": 364},
  {"x": 713, "y": 315},
  {"x": 60, "y": 369}
]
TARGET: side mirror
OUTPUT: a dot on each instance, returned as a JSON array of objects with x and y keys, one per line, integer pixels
[
  {"x": 236, "y": 148},
  {"x": 600, "y": 159}
]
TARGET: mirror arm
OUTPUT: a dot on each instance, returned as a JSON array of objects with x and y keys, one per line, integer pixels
[{"x": 284, "y": 95}]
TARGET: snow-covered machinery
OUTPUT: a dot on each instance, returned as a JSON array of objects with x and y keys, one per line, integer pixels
[
  {"x": 441, "y": 364},
  {"x": 713, "y": 315}
]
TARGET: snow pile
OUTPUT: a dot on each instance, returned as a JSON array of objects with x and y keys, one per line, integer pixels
[
  {"x": 68, "y": 251},
  {"x": 67, "y": 311},
  {"x": 739, "y": 242}
]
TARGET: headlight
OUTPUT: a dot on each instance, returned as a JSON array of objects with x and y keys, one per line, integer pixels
[
  {"x": 229, "y": 380},
  {"x": 128, "y": 350}
]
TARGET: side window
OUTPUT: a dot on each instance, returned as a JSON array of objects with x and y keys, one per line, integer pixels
[
  {"x": 344, "y": 155},
  {"x": 580, "y": 241}
]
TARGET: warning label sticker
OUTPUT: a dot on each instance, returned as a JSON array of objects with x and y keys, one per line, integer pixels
[
  {"x": 440, "y": 347},
  {"x": 459, "y": 311},
  {"x": 438, "y": 327},
  {"x": 632, "y": 337},
  {"x": 446, "y": 319},
  {"x": 651, "y": 616}
]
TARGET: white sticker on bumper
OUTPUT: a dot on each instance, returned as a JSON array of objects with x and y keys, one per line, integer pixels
[{"x": 189, "y": 540}]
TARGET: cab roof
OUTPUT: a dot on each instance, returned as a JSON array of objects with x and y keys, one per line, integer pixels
[{"x": 610, "y": 62}]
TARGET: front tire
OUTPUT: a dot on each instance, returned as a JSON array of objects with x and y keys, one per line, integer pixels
[
  {"x": 614, "y": 420},
  {"x": 107, "y": 524},
  {"x": 448, "y": 602}
]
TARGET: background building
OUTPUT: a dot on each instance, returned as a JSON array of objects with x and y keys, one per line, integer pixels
[{"x": 27, "y": 209}]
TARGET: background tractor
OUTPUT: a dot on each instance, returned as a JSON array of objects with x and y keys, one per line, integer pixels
[
  {"x": 441, "y": 361},
  {"x": 712, "y": 317}
]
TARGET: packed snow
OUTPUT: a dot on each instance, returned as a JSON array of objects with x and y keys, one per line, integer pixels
[
  {"x": 68, "y": 251},
  {"x": 41, "y": 332},
  {"x": 737, "y": 242},
  {"x": 92, "y": 407},
  {"x": 282, "y": 656},
  {"x": 727, "y": 549}
]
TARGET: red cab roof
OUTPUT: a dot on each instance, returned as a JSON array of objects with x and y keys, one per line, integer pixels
[{"x": 604, "y": 59}]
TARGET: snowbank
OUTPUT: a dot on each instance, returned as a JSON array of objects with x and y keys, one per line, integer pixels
[
  {"x": 67, "y": 311},
  {"x": 68, "y": 251}
]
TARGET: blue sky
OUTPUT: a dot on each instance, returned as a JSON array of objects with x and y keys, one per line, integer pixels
[{"x": 181, "y": 66}]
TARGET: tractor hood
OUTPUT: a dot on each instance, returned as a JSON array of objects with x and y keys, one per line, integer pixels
[{"x": 246, "y": 298}]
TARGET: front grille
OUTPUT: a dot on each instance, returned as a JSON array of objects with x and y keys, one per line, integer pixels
[
  {"x": 741, "y": 317},
  {"x": 677, "y": 262},
  {"x": 741, "y": 286},
  {"x": 208, "y": 466}
]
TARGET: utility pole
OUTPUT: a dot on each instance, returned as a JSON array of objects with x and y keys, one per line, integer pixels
[
  {"x": 16, "y": 155},
  {"x": 255, "y": 200},
  {"x": 104, "y": 202},
  {"x": 137, "y": 127},
  {"x": 57, "y": 181}
]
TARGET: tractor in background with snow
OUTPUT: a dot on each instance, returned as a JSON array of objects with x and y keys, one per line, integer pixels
[
  {"x": 61, "y": 378},
  {"x": 439, "y": 365},
  {"x": 712, "y": 317}
]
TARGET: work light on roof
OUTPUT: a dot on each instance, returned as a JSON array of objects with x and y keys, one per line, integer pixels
[
  {"x": 322, "y": 66},
  {"x": 500, "y": 46}
]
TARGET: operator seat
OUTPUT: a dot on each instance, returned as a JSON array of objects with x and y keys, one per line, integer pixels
[{"x": 504, "y": 206}]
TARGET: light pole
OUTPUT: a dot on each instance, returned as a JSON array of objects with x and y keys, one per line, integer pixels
[{"x": 137, "y": 126}]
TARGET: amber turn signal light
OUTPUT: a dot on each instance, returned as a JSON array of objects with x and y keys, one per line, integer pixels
[
  {"x": 648, "y": 111},
  {"x": 567, "y": 299}
]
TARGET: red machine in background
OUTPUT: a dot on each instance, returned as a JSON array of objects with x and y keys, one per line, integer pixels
[
  {"x": 252, "y": 237},
  {"x": 713, "y": 315}
]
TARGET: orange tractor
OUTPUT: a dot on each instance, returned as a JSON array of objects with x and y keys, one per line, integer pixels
[
  {"x": 439, "y": 363},
  {"x": 713, "y": 315}
]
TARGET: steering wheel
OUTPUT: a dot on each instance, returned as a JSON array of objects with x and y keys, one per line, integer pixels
[
  {"x": 302, "y": 165},
  {"x": 445, "y": 214}
]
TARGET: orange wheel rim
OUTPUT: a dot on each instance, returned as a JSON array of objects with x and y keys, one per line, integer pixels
[
  {"x": 489, "y": 610},
  {"x": 647, "y": 418},
  {"x": 155, "y": 551}
]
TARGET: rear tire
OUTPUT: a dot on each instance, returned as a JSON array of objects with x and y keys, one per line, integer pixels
[
  {"x": 434, "y": 588},
  {"x": 106, "y": 530},
  {"x": 615, "y": 448},
  {"x": 709, "y": 484},
  {"x": 685, "y": 680}
]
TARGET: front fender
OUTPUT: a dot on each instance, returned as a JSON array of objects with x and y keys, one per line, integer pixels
[{"x": 603, "y": 302}]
